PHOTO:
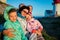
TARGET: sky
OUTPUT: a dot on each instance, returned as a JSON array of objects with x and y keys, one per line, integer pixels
[{"x": 39, "y": 6}]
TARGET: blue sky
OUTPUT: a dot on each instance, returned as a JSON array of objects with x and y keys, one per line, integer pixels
[{"x": 39, "y": 6}]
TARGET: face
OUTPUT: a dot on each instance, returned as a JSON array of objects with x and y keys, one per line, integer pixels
[
  {"x": 30, "y": 8},
  {"x": 28, "y": 17},
  {"x": 13, "y": 16},
  {"x": 24, "y": 12}
]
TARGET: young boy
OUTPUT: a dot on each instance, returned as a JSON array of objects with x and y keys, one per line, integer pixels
[{"x": 15, "y": 31}]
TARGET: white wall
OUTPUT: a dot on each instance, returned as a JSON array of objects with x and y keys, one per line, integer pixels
[{"x": 58, "y": 9}]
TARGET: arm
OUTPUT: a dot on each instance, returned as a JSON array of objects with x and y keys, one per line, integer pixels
[
  {"x": 29, "y": 29},
  {"x": 8, "y": 32},
  {"x": 40, "y": 26},
  {"x": 39, "y": 30},
  {"x": 23, "y": 37}
]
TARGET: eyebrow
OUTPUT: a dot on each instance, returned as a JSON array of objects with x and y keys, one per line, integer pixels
[{"x": 25, "y": 11}]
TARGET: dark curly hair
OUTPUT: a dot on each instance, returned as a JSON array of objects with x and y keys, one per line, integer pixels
[
  {"x": 12, "y": 10},
  {"x": 23, "y": 7}
]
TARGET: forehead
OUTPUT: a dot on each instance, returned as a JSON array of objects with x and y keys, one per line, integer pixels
[
  {"x": 30, "y": 6},
  {"x": 13, "y": 13},
  {"x": 25, "y": 9}
]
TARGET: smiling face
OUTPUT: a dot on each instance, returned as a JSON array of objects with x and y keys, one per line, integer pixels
[
  {"x": 13, "y": 16},
  {"x": 28, "y": 17},
  {"x": 30, "y": 8},
  {"x": 24, "y": 12}
]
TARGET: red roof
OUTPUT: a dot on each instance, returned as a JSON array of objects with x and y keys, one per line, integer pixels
[{"x": 56, "y": 1}]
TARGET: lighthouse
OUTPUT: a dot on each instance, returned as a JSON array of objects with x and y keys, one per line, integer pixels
[
  {"x": 56, "y": 7},
  {"x": 4, "y": 1}
]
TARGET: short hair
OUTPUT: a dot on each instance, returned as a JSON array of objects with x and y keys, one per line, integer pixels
[
  {"x": 12, "y": 10},
  {"x": 23, "y": 7}
]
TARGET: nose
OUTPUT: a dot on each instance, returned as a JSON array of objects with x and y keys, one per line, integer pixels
[{"x": 14, "y": 18}]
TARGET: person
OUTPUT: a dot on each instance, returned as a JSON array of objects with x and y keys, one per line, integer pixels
[
  {"x": 20, "y": 5},
  {"x": 21, "y": 17},
  {"x": 30, "y": 9},
  {"x": 21, "y": 12},
  {"x": 34, "y": 26},
  {"x": 13, "y": 27}
]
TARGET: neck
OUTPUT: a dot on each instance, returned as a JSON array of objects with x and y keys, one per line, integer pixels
[
  {"x": 29, "y": 19},
  {"x": 20, "y": 15}
]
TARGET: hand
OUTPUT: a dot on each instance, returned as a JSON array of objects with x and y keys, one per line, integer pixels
[
  {"x": 11, "y": 30},
  {"x": 5, "y": 32},
  {"x": 38, "y": 33},
  {"x": 39, "y": 30},
  {"x": 8, "y": 32}
]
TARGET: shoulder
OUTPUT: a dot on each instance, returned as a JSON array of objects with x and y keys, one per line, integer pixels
[
  {"x": 19, "y": 18},
  {"x": 7, "y": 23},
  {"x": 36, "y": 20}
]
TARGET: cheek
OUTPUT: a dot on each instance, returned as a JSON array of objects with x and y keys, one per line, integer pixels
[
  {"x": 15, "y": 17},
  {"x": 27, "y": 17},
  {"x": 23, "y": 14},
  {"x": 11, "y": 18}
]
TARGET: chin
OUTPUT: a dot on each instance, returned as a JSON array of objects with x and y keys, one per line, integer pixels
[
  {"x": 23, "y": 15},
  {"x": 14, "y": 21}
]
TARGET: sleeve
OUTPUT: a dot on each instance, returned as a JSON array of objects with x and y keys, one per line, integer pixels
[
  {"x": 39, "y": 24},
  {"x": 23, "y": 35},
  {"x": 29, "y": 27},
  {"x": 7, "y": 25},
  {"x": 33, "y": 31}
]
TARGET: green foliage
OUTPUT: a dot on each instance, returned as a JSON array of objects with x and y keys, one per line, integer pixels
[{"x": 47, "y": 37}]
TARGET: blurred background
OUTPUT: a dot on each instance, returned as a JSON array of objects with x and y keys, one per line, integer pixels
[{"x": 46, "y": 11}]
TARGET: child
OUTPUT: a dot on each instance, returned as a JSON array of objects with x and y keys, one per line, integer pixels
[
  {"x": 34, "y": 26},
  {"x": 30, "y": 9},
  {"x": 12, "y": 25}
]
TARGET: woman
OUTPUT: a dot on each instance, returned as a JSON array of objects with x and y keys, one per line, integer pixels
[{"x": 21, "y": 17}]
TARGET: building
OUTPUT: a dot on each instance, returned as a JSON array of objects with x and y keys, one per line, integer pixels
[
  {"x": 49, "y": 13},
  {"x": 2, "y": 7},
  {"x": 56, "y": 7}
]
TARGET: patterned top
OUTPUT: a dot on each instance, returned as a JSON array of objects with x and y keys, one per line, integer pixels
[
  {"x": 23, "y": 24},
  {"x": 33, "y": 25}
]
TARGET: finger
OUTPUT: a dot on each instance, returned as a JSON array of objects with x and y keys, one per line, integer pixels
[
  {"x": 11, "y": 35},
  {"x": 10, "y": 29}
]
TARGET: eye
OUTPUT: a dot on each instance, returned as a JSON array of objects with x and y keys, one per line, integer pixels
[
  {"x": 11, "y": 16},
  {"x": 25, "y": 11}
]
